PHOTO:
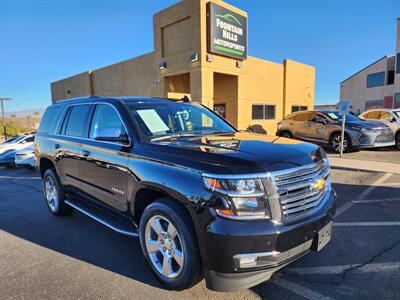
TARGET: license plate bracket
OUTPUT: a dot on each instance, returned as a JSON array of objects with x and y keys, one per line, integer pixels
[{"x": 323, "y": 237}]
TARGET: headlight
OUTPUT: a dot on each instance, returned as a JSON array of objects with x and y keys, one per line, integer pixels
[
  {"x": 367, "y": 130},
  {"x": 244, "y": 198}
]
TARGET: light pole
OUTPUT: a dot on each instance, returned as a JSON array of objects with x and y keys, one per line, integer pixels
[{"x": 3, "y": 117}]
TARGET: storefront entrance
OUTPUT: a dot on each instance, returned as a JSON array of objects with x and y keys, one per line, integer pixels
[{"x": 226, "y": 96}]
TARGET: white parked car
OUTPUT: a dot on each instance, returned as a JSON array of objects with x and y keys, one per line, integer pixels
[
  {"x": 25, "y": 157},
  {"x": 11, "y": 146},
  {"x": 389, "y": 116}
]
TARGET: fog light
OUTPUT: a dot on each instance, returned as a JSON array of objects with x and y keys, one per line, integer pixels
[{"x": 252, "y": 260}]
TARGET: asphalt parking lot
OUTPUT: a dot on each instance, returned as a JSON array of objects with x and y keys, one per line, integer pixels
[{"x": 44, "y": 257}]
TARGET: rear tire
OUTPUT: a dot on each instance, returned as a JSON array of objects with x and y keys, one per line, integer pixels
[
  {"x": 169, "y": 244},
  {"x": 286, "y": 134},
  {"x": 336, "y": 140},
  {"x": 397, "y": 139},
  {"x": 54, "y": 194}
]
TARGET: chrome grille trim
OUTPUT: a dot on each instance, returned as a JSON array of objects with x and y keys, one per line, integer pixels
[{"x": 291, "y": 193}]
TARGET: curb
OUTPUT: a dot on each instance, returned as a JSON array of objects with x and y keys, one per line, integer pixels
[{"x": 355, "y": 169}]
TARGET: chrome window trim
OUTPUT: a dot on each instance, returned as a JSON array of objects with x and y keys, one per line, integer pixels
[{"x": 67, "y": 107}]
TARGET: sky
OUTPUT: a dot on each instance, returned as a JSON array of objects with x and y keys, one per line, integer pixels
[{"x": 43, "y": 41}]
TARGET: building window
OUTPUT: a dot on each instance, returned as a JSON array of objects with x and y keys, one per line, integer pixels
[
  {"x": 390, "y": 77},
  {"x": 298, "y": 108},
  {"x": 220, "y": 109},
  {"x": 398, "y": 63},
  {"x": 396, "y": 100},
  {"x": 372, "y": 104},
  {"x": 263, "y": 112},
  {"x": 375, "y": 79}
]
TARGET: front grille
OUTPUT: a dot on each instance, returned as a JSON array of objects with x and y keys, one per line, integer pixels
[
  {"x": 385, "y": 135},
  {"x": 299, "y": 192}
]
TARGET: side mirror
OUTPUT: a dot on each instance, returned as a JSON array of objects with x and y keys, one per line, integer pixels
[
  {"x": 392, "y": 119},
  {"x": 111, "y": 134}
]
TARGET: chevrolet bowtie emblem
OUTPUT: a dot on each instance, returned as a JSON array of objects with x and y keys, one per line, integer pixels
[{"x": 320, "y": 184}]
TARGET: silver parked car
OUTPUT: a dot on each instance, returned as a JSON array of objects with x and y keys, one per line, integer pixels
[
  {"x": 391, "y": 117},
  {"x": 324, "y": 127}
]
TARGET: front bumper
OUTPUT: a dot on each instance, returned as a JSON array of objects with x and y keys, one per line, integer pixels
[
  {"x": 227, "y": 238},
  {"x": 24, "y": 160},
  {"x": 373, "y": 139}
]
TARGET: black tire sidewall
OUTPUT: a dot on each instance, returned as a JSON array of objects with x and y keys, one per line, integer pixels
[
  {"x": 288, "y": 133},
  {"x": 62, "y": 208},
  {"x": 182, "y": 224}
]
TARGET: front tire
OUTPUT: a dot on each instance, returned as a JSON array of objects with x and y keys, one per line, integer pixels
[
  {"x": 169, "y": 244},
  {"x": 335, "y": 142},
  {"x": 54, "y": 194},
  {"x": 397, "y": 139}
]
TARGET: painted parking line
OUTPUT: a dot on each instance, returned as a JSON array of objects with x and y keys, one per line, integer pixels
[
  {"x": 363, "y": 195},
  {"x": 299, "y": 289},
  {"x": 369, "y": 268},
  {"x": 25, "y": 178},
  {"x": 350, "y": 224},
  {"x": 377, "y": 200}
]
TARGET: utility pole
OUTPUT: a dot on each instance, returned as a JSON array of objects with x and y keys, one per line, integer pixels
[{"x": 3, "y": 116}]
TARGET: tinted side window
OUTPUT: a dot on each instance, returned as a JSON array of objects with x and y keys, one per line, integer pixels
[
  {"x": 301, "y": 117},
  {"x": 48, "y": 119},
  {"x": 77, "y": 120},
  {"x": 106, "y": 120},
  {"x": 30, "y": 139}
]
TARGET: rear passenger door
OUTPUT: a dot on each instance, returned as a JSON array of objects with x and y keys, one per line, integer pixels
[
  {"x": 68, "y": 144},
  {"x": 301, "y": 124},
  {"x": 104, "y": 164}
]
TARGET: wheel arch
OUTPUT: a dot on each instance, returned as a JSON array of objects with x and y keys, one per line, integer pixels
[
  {"x": 45, "y": 163},
  {"x": 148, "y": 193},
  {"x": 340, "y": 132}
]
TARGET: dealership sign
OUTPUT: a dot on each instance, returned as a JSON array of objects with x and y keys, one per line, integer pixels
[{"x": 227, "y": 32}]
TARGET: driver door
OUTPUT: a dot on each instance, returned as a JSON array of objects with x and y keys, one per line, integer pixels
[{"x": 316, "y": 127}]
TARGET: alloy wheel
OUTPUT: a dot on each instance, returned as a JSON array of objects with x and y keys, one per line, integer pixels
[
  {"x": 164, "y": 246},
  {"x": 51, "y": 194},
  {"x": 336, "y": 142}
]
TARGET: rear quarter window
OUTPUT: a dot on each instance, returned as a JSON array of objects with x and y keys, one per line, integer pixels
[
  {"x": 49, "y": 119},
  {"x": 301, "y": 117}
]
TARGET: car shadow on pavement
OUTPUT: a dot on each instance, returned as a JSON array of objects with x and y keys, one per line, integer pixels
[{"x": 23, "y": 213}]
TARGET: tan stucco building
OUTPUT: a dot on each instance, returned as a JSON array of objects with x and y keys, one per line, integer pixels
[
  {"x": 189, "y": 58},
  {"x": 377, "y": 85}
]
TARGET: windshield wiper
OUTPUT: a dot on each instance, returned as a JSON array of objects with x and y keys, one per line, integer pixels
[{"x": 172, "y": 136}]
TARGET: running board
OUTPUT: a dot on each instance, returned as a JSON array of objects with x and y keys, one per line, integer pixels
[{"x": 101, "y": 217}]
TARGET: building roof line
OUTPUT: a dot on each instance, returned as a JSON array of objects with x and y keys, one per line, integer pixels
[{"x": 386, "y": 56}]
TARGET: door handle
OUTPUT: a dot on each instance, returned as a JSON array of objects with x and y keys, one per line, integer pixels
[
  {"x": 57, "y": 146},
  {"x": 85, "y": 153}
]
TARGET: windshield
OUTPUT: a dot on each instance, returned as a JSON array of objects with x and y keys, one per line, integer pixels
[
  {"x": 334, "y": 115},
  {"x": 176, "y": 119},
  {"x": 13, "y": 140},
  {"x": 397, "y": 113}
]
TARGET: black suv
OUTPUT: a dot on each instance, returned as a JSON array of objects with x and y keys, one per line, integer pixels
[{"x": 204, "y": 198}]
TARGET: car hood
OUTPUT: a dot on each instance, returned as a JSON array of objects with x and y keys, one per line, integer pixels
[
  {"x": 4, "y": 148},
  {"x": 237, "y": 153}
]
